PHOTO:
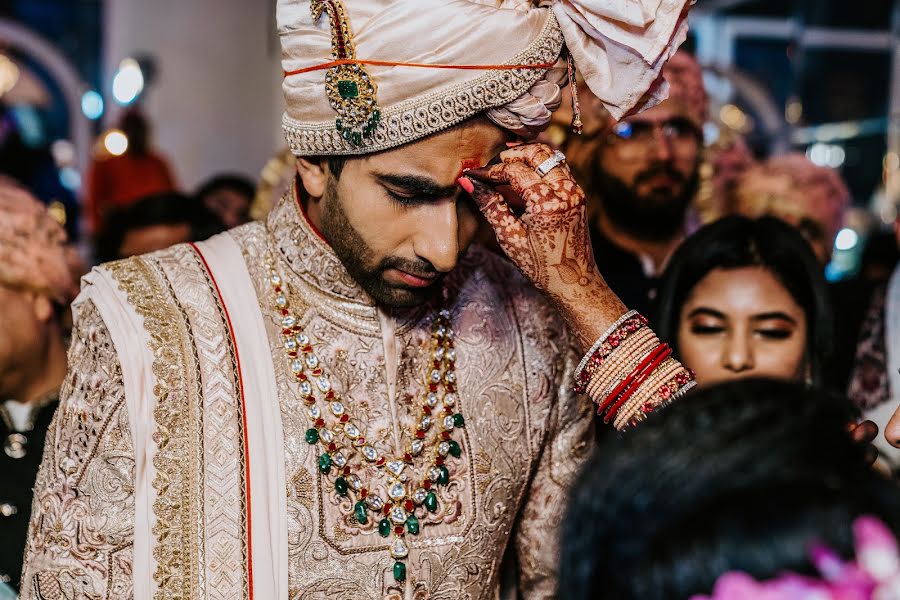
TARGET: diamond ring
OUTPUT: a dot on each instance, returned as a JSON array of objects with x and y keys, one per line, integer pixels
[{"x": 551, "y": 163}]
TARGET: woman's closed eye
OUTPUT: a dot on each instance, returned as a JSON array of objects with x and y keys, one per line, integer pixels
[
  {"x": 774, "y": 326},
  {"x": 707, "y": 328},
  {"x": 774, "y": 333}
]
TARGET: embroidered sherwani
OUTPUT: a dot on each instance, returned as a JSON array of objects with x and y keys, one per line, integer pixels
[{"x": 177, "y": 466}]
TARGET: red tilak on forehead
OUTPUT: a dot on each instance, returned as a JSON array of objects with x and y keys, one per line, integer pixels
[{"x": 468, "y": 163}]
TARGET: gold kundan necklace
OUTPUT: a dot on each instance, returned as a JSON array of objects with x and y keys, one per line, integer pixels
[{"x": 344, "y": 448}]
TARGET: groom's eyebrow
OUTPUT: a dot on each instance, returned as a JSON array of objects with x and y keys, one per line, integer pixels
[{"x": 417, "y": 185}]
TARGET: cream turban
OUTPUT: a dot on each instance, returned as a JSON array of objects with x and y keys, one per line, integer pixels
[
  {"x": 33, "y": 252},
  {"x": 347, "y": 95}
]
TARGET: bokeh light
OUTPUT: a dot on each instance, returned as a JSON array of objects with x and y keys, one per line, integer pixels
[
  {"x": 128, "y": 82},
  {"x": 846, "y": 239},
  {"x": 115, "y": 142},
  {"x": 92, "y": 105}
]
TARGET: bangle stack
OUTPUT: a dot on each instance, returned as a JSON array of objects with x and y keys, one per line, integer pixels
[{"x": 654, "y": 378}]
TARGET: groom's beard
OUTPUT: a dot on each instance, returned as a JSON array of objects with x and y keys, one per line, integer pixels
[{"x": 655, "y": 216}]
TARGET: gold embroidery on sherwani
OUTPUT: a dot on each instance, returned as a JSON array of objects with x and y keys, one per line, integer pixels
[
  {"x": 224, "y": 557},
  {"x": 201, "y": 504},
  {"x": 81, "y": 531},
  {"x": 513, "y": 360},
  {"x": 175, "y": 436}
]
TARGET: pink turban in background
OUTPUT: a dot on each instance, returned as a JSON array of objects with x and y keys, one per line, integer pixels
[
  {"x": 33, "y": 252},
  {"x": 685, "y": 78},
  {"x": 793, "y": 188}
]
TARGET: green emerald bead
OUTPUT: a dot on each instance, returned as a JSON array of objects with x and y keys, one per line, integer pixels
[
  {"x": 340, "y": 486},
  {"x": 431, "y": 502},
  {"x": 347, "y": 89},
  {"x": 458, "y": 420},
  {"x": 399, "y": 571},
  {"x": 444, "y": 479},
  {"x": 359, "y": 510},
  {"x": 455, "y": 450},
  {"x": 384, "y": 528},
  {"x": 312, "y": 436},
  {"x": 412, "y": 525},
  {"x": 325, "y": 463}
]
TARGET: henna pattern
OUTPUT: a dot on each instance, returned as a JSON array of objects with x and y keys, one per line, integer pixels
[{"x": 550, "y": 242}]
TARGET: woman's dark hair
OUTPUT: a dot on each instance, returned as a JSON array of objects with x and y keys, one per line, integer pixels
[
  {"x": 168, "y": 208},
  {"x": 743, "y": 476},
  {"x": 735, "y": 242}
]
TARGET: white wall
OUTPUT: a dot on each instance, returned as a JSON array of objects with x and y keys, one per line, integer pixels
[{"x": 216, "y": 103}]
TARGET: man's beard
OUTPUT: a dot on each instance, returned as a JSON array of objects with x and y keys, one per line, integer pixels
[
  {"x": 657, "y": 216},
  {"x": 352, "y": 251}
]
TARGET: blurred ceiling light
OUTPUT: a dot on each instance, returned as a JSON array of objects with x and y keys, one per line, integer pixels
[
  {"x": 63, "y": 152},
  {"x": 70, "y": 179},
  {"x": 9, "y": 74},
  {"x": 57, "y": 210},
  {"x": 92, "y": 105},
  {"x": 846, "y": 239},
  {"x": 793, "y": 112},
  {"x": 115, "y": 142},
  {"x": 128, "y": 82},
  {"x": 735, "y": 118},
  {"x": 826, "y": 155}
]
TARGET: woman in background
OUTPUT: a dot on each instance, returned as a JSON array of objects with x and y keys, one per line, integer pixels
[{"x": 746, "y": 298}]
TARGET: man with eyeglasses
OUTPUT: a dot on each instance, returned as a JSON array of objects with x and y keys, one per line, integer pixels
[{"x": 641, "y": 175}]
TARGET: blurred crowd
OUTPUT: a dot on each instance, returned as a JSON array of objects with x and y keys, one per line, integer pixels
[{"x": 735, "y": 284}]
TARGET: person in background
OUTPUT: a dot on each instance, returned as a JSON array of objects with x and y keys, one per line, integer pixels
[
  {"x": 228, "y": 196},
  {"x": 791, "y": 187},
  {"x": 36, "y": 287},
  {"x": 759, "y": 487},
  {"x": 725, "y": 162},
  {"x": 640, "y": 176},
  {"x": 875, "y": 380},
  {"x": 813, "y": 199},
  {"x": 154, "y": 223},
  {"x": 747, "y": 298},
  {"x": 114, "y": 182}
]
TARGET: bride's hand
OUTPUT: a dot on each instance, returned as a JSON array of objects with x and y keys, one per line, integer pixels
[{"x": 549, "y": 242}]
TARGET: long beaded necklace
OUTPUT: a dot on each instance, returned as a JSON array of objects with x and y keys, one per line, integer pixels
[{"x": 344, "y": 446}]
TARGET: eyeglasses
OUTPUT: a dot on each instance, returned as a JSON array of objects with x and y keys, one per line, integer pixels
[{"x": 642, "y": 133}]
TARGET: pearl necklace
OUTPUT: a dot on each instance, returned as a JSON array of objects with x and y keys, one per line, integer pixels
[{"x": 344, "y": 448}]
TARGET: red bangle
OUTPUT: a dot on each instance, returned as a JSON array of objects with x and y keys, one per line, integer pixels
[
  {"x": 625, "y": 383},
  {"x": 638, "y": 382}
]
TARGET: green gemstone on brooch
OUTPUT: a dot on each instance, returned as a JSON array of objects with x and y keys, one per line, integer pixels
[
  {"x": 325, "y": 463},
  {"x": 312, "y": 436},
  {"x": 399, "y": 571},
  {"x": 347, "y": 89},
  {"x": 359, "y": 511},
  {"x": 458, "y": 420},
  {"x": 384, "y": 528},
  {"x": 455, "y": 450},
  {"x": 340, "y": 486},
  {"x": 444, "y": 479},
  {"x": 412, "y": 525},
  {"x": 431, "y": 502}
]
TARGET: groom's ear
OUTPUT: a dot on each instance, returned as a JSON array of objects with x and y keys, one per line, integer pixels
[{"x": 313, "y": 173}]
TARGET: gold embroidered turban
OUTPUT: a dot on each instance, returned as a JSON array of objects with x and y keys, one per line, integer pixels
[{"x": 367, "y": 75}]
